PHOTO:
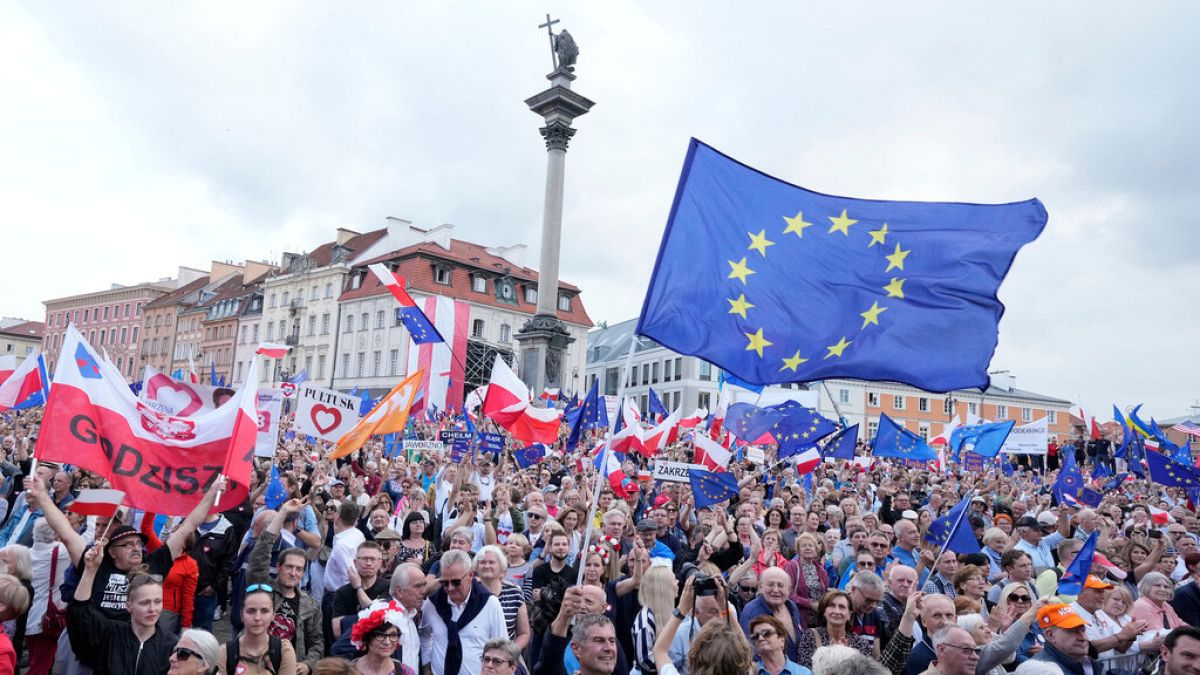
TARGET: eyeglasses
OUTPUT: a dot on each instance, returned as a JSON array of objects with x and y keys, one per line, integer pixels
[
  {"x": 183, "y": 654},
  {"x": 762, "y": 635},
  {"x": 1018, "y": 597},
  {"x": 493, "y": 661},
  {"x": 536, "y": 516},
  {"x": 452, "y": 583},
  {"x": 260, "y": 587},
  {"x": 971, "y": 650},
  {"x": 747, "y": 589},
  {"x": 388, "y": 637}
]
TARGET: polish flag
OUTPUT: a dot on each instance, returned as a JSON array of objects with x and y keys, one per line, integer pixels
[
  {"x": 451, "y": 318},
  {"x": 193, "y": 377},
  {"x": 611, "y": 467},
  {"x": 807, "y": 460},
  {"x": 693, "y": 420},
  {"x": 273, "y": 350},
  {"x": 711, "y": 454},
  {"x": 23, "y": 383},
  {"x": 507, "y": 404},
  {"x": 8, "y": 364},
  {"x": 163, "y": 463},
  {"x": 394, "y": 283},
  {"x": 629, "y": 439},
  {"x": 550, "y": 394},
  {"x": 1160, "y": 517},
  {"x": 97, "y": 502},
  {"x": 714, "y": 430},
  {"x": 658, "y": 438},
  {"x": 1095, "y": 430},
  {"x": 944, "y": 437}
]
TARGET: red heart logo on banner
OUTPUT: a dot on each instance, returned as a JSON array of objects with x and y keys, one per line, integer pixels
[
  {"x": 176, "y": 394},
  {"x": 325, "y": 418}
]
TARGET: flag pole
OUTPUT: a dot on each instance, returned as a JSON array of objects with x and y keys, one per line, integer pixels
[
  {"x": 612, "y": 425},
  {"x": 45, "y": 378},
  {"x": 958, "y": 521}
]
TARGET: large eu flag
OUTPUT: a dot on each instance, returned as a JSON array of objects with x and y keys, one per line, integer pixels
[
  {"x": 776, "y": 283},
  {"x": 893, "y": 440}
]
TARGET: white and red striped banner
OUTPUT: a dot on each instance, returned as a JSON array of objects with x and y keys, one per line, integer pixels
[{"x": 444, "y": 374}]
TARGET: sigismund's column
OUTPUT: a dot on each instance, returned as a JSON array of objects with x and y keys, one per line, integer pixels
[{"x": 543, "y": 339}]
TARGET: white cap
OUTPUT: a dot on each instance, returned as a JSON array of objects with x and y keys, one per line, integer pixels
[
  {"x": 909, "y": 514},
  {"x": 1046, "y": 518}
]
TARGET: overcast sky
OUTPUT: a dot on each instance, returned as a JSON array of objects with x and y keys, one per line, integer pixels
[{"x": 139, "y": 136}]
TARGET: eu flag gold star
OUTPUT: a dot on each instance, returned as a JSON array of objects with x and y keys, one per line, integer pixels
[
  {"x": 757, "y": 342},
  {"x": 841, "y": 223},
  {"x": 759, "y": 242},
  {"x": 739, "y": 306},
  {"x": 896, "y": 259},
  {"x": 895, "y": 288},
  {"x": 796, "y": 224},
  {"x": 738, "y": 270},
  {"x": 872, "y": 315},
  {"x": 793, "y": 362},
  {"x": 837, "y": 349},
  {"x": 878, "y": 236}
]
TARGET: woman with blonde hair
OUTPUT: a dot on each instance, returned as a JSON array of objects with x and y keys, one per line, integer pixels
[
  {"x": 1016, "y": 599},
  {"x": 808, "y": 576},
  {"x": 1117, "y": 603},
  {"x": 656, "y": 594},
  {"x": 720, "y": 648}
]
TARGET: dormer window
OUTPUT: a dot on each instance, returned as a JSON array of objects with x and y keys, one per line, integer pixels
[
  {"x": 564, "y": 303},
  {"x": 531, "y": 295},
  {"x": 479, "y": 284},
  {"x": 441, "y": 275}
]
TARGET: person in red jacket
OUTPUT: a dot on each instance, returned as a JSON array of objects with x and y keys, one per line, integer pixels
[{"x": 179, "y": 586}]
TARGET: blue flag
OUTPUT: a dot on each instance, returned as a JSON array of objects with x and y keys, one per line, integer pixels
[
  {"x": 1006, "y": 466},
  {"x": 655, "y": 405},
  {"x": 276, "y": 494},
  {"x": 798, "y": 428},
  {"x": 420, "y": 328},
  {"x": 1137, "y": 422},
  {"x": 985, "y": 439},
  {"x": 841, "y": 445},
  {"x": 527, "y": 457},
  {"x": 1070, "y": 478},
  {"x": 893, "y": 440},
  {"x": 1169, "y": 473},
  {"x": 1089, "y": 497},
  {"x": 952, "y": 532},
  {"x": 493, "y": 443},
  {"x": 392, "y": 444},
  {"x": 1077, "y": 572},
  {"x": 300, "y": 377},
  {"x": 711, "y": 487},
  {"x": 1101, "y": 471},
  {"x": 724, "y": 378},
  {"x": 591, "y": 414},
  {"x": 1137, "y": 453},
  {"x": 1115, "y": 482},
  {"x": 748, "y": 421},
  {"x": 775, "y": 283}
]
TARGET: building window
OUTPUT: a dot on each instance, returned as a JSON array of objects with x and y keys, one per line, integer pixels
[
  {"x": 1001, "y": 412},
  {"x": 645, "y": 373},
  {"x": 394, "y": 362},
  {"x": 479, "y": 284},
  {"x": 284, "y": 299},
  {"x": 320, "y": 366},
  {"x": 254, "y": 333},
  {"x": 106, "y": 314},
  {"x": 923, "y": 432},
  {"x": 843, "y": 395},
  {"x": 872, "y": 429},
  {"x": 124, "y": 335},
  {"x": 270, "y": 331},
  {"x": 873, "y": 400},
  {"x": 947, "y": 407},
  {"x": 898, "y": 402},
  {"x": 923, "y": 404},
  {"x": 972, "y": 408},
  {"x": 242, "y": 336},
  {"x": 133, "y": 335},
  {"x": 704, "y": 400},
  {"x": 675, "y": 401},
  {"x": 349, "y": 323},
  {"x": 531, "y": 295},
  {"x": 505, "y": 332},
  {"x": 324, "y": 324},
  {"x": 345, "y": 365},
  {"x": 633, "y": 380},
  {"x": 86, "y": 312},
  {"x": 477, "y": 327},
  {"x": 360, "y": 362},
  {"x": 1053, "y": 415},
  {"x": 1026, "y": 415},
  {"x": 299, "y": 296},
  {"x": 379, "y": 318},
  {"x": 705, "y": 370},
  {"x": 564, "y": 303},
  {"x": 365, "y": 318},
  {"x": 127, "y": 310},
  {"x": 238, "y": 372},
  {"x": 441, "y": 275},
  {"x": 283, "y": 328},
  {"x": 667, "y": 370},
  {"x": 678, "y": 368},
  {"x": 654, "y": 373},
  {"x": 355, "y": 281},
  {"x": 376, "y": 363},
  {"x": 312, "y": 325}
]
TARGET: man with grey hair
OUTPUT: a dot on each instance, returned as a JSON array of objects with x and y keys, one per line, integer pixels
[
  {"x": 408, "y": 588},
  {"x": 956, "y": 652},
  {"x": 843, "y": 660},
  {"x": 866, "y": 594},
  {"x": 458, "y": 619},
  {"x": 592, "y": 637},
  {"x": 937, "y": 612}
]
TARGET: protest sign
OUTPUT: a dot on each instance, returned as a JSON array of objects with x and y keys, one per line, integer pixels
[
  {"x": 416, "y": 450},
  {"x": 1027, "y": 439},
  {"x": 269, "y": 406},
  {"x": 325, "y": 413},
  {"x": 675, "y": 472}
]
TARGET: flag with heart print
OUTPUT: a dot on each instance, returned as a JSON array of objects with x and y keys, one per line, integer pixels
[{"x": 325, "y": 413}]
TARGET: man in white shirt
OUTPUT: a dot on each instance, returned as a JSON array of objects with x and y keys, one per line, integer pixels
[
  {"x": 1038, "y": 538},
  {"x": 458, "y": 619},
  {"x": 346, "y": 538},
  {"x": 1109, "y": 639},
  {"x": 408, "y": 588}
]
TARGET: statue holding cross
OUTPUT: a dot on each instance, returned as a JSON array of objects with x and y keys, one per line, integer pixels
[{"x": 563, "y": 50}]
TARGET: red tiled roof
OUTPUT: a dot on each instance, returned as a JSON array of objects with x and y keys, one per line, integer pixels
[
  {"x": 27, "y": 329},
  {"x": 323, "y": 254},
  {"x": 176, "y": 296},
  {"x": 414, "y": 264}
]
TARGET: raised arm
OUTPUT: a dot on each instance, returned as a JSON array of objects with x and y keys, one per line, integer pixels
[
  {"x": 179, "y": 537},
  {"x": 57, "y": 520}
]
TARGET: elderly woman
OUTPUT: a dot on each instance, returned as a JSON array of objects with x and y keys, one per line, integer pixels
[
  {"x": 50, "y": 561},
  {"x": 995, "y": 542},
  {"x": 1154, "y": 606},
  {"x": 1015, "y": 600},
  {"x": 970, "y": 582},
  {"x": 1117, "y": 603},
  {"x": 16, "y": 560},
  {"x": 195, "y": 654},
  {"x": 490, "y": 567},
  {"x": 809, "y": 579},
  {"x": 997, "y": 650},
  {"x": 376, "y": 636},
  {"x": 768, "y": 637}
]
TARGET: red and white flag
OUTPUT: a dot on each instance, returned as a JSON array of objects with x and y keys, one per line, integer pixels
[
  {"x": 550, "y": 394},
  {"x": 807, "y": 460},
  {"x": 507, "y": 404},
  {"x": 273, "y": 350},
  {"x": 1160, "y": 517},
  {"x": 629, "y": 439},
  {"x": 97, "y": 502},
  {"x": 192, "y": 374},
  {"x": 444, "y": 374},
  {"x": 693, "y": 420},
  {"x": 711, "y": 454},
  {"x": 163, "y": 463},
  {"x": 718, "y": 420},
  {"x": 8, "y": 365},
  {"x": 948, "y": 430},
  {"x": 22, "y": 383},
  {"x": 657, "y": 439}
]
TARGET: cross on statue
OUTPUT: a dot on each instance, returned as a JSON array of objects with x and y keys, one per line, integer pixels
[{"x": 550, "y": 31}]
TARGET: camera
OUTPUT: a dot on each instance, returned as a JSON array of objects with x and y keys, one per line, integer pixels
[{"x": 705, "y": 586}]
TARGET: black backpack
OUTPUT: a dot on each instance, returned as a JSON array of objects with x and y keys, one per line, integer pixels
[{"x": 233, "y": 653}]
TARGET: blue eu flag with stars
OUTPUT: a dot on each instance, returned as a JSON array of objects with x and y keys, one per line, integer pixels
[
  {"x": 420, "y": 328},
  {"x": 1170, "y": 473},
  {"x": 952, "y": 532},
  {"x": 591, "y": 414},
  {"x": 775, "y": 283},
  {"x": 893, "y": 440},
  {"x": 798, "y": 428},
  {"x": 711, "y": 487}
]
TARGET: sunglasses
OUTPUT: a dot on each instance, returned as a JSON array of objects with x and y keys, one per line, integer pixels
[
  {"x": 260, "y": 587},
  {"x": 762, "y": 635},
  {"x": 747, "y": 589},
  {"x": 183, "y": 654},
  {"x": 494, "y": 662},
  {"x": 452, "y": 583}
]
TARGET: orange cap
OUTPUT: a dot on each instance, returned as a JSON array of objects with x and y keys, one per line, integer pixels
[
  {"x": 1094, "y": 581},
  {"x": 1059, "y": 616}
]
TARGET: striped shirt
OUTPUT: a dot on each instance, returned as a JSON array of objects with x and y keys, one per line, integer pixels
[
  {"x": 644, "y": 632},
  {"x": 511, "y": 601}
]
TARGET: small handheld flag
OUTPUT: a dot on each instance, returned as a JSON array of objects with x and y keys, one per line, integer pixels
[
  {"x": 1077, "y": 572},
  {"x": 711, "y": 487},
  {"x": 893, "y": 440}
]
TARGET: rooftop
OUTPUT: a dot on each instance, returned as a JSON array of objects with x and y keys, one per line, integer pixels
[{"x": 30, "y": 330}]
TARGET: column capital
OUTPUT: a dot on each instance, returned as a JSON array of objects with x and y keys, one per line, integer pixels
[{"x": 557, "y": 134}]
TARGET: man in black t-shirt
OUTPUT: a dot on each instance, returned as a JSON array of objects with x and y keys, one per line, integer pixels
[
  {"x": 366, "y": 584},
  {"x": 559, "y": 546}
]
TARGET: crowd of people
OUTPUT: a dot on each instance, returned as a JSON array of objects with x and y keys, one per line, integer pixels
[{"x": 460, "y": 563}]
